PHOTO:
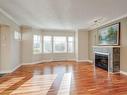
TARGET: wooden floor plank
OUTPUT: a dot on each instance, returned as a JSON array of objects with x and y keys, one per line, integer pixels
[
  {"x": 9, "y": 83},
  {"x": 85, "y": 80},
  {"x": 37, "y": 84},
  {"x": 65, "y": 85}
]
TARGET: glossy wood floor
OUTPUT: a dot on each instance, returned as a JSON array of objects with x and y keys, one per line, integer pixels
[{"x": 62, "y": 78}]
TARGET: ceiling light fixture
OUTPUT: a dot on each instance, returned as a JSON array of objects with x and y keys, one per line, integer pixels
[{"x": 98, "y": 21}]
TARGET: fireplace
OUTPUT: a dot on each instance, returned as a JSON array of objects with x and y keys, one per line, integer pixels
[
  {"x": 107, "y": 58},
  {"x": 101, "y": 60}
]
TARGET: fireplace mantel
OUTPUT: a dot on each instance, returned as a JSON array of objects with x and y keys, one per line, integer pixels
[{"x": 113, "y": 54}]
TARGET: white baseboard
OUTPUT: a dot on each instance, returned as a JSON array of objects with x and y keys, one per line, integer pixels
[
  {"x": 45, "y": 61},
  {"x": 32, "y": 63},
  {"x": 90, "y": 61},
  {"x": 64, "y": 60},
  {"x": 123, "y": 72},
  {"x": 28, "y": 63},
  {"x": 9, "y": 71}
]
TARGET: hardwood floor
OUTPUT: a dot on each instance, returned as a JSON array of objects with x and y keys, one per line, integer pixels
[{"x": 62, "y": 78}]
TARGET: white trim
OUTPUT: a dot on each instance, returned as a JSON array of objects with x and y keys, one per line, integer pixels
[
  {"x": 43, "y": 62},
  {"x": 35, "y": 62},
  {"x": 90, "y": 61},
  {"x": 28, "y": 63},
  {"x": 9, "y": 71},
  {"x": 123, "y": 72},
  {"x": 71, "y": 60},
  {"x": 108, "y": 22},
  {"x": 106, "y": 46},
  {"x": 80, "y": 60},
  {"x": 8, "y": 16},
  {"x": 65, "y": 60}
]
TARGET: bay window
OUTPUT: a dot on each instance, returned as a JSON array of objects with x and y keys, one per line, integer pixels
[
  {"x": 58, "y": 44},
  {"x": 37, "y": 44},
  {"x": 47, "y": 44},
  {"x": 70, "y": 44}
]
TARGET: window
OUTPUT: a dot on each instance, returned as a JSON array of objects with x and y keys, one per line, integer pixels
[
  {"x": 70, "y": 44},
  {"x": 37, "y": 46},
  {"x": 47, "y": 40},
  {"x": 59, "y": 44},
  {"x": 17, "y": 35}
]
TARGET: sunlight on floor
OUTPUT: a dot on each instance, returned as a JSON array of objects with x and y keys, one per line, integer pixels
[{"x": 9, "y": 83}]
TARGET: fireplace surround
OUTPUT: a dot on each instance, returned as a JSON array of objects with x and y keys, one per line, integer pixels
[{"x": 107, "y": 58}]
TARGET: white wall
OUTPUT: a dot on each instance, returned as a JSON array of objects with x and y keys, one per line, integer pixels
[
  {"x": 9, "y": 47},
  {"x": 82, "y": 45},
  {"x": 5, "y": 47},
  {"x": 26, "y": 44},
  {"x": 92, "y": 42}
]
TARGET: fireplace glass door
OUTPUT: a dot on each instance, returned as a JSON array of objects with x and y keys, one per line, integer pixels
[{"x": 101, "y": 60}]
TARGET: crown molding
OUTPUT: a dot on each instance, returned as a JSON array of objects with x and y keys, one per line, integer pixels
[
  {"x": 8, "y": 16},
  {"x": 110, "y": 21}
]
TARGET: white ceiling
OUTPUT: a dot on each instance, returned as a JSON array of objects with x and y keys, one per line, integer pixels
[{"x": 63, "y": 14}]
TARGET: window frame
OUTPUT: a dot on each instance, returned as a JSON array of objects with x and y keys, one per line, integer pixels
[
  {"x": 65, "y": 45},
  {"x": 51, "y": 44},
  {"x": 73, "y": 42},
  {"x": 40, "y": 42},
  {"x": 17, "y": 35}
]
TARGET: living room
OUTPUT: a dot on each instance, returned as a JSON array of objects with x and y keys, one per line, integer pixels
[{"x": 63, "y": 47}]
